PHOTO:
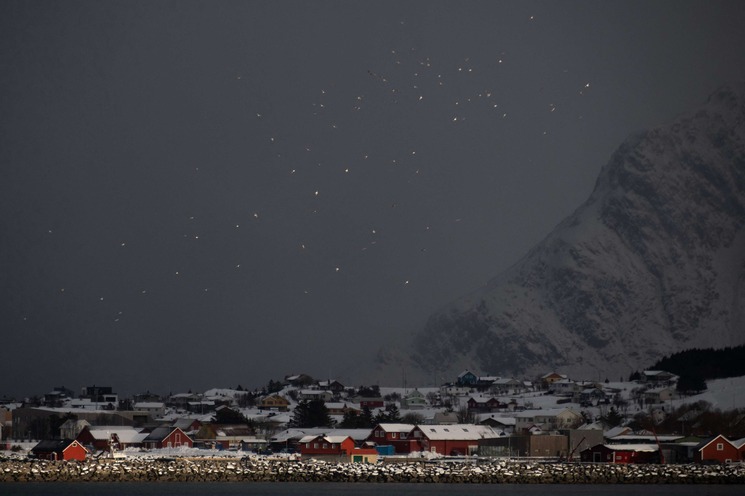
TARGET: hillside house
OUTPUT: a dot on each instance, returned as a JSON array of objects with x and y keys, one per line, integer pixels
[
  {"x": 274, "y": 403},
  {"x": 484, "y": 405},
  {"x": 315, "y": 394},
  {"x": 504, "y": 385},
  {"x": 547, "y": 420},
  {"x": 156, "y": 409},
  {"x": 299, "y": 380},
  {"x": 467, "y": 378},
  {"x": 340, "y": 408},
  {"x": 548, "y": 380},
  {"x": 372, "y": 403},
  {"x": 659, "y": 377},
  {"x": 334, "y": 386},
  {"x": 659, "y": 395},
  {"x": 415, "y": 400}
]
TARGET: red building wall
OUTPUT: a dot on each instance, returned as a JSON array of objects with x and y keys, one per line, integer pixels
[
  {"x": 175, "y": 439},
  {"x": 326, "y": 448},
  {"x": 720, "y": 450}
]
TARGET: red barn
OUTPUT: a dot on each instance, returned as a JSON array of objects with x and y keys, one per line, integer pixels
[
  {"x": 717, "y": 449},
  {"x": 66, "y": 449},
  {"x": 456, "y": 439},
  {"x": 621, "y": 453},
  {"x": 167, "y": 437}
]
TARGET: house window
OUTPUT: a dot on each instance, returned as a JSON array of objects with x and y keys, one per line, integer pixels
[
  {"x": 393, "y": 435},
  {"x": 307, "y": 445},
  {"x": 325, "y": 445},
  {"x": 720, "y": 446},
  {"x": 417, "y": 434},
  {"x": 315, "y": 445},
  {"x": 404, "y": 435}
]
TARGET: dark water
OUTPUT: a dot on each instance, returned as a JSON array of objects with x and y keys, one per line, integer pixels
[{"x": 362, "y": 489}]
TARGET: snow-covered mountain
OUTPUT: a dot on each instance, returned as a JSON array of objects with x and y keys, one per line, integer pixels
[{"x": 652, "y": 263}]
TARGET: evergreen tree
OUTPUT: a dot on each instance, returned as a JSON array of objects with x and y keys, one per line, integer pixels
[
  {"x": 311, "y": 413},
  {"x": 366, "y": 418},
  {"x": 228, "y": 416},
  {"x": 690, "y": 384},
  {"x": 390, "y": 415},
  {"x": 613, "y": 418}
]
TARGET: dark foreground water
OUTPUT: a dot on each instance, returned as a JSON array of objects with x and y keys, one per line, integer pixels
[{"x": 361, "y": 489}]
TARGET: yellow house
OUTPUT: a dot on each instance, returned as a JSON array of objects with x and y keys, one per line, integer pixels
[{"x": 275, "y": 403}]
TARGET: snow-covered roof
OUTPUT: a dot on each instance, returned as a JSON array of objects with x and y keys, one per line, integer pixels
[
  {"x": 459, "y": 431},
  {"x": 652, "y": 438},
  {"x": 632, "y": 447},
  {"x": 547, "y": 412},
  {"x": 125, "y": 434},
  {"x": 616, "y": 431},
  {"x": 397, "y": 427},
  {"x": 504, "y": 420},
  {"x": 336, "y": 439},
  {"x": 592, "y": 426}
]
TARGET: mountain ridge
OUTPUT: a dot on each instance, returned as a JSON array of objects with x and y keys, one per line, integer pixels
[{"x": 651, "y": 263}]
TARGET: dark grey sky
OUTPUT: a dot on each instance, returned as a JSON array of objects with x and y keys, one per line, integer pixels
[{"x": 207, "y": 194}]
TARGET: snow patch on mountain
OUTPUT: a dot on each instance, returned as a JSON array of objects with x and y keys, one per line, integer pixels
[{"x": 652, "y": 263}]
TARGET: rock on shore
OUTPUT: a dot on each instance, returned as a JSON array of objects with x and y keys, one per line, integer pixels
[{"x": 262, "y": 470}]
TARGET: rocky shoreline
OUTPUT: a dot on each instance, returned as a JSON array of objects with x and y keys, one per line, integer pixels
[{"x": 262, "y": 470}]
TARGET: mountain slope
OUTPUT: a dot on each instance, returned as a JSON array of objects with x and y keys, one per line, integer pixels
[{"x": 652, "y": 263}]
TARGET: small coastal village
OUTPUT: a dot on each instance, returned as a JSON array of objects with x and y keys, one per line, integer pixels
[{"x": 645, "y": 420}]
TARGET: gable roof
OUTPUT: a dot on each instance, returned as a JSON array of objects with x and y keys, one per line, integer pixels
[
  {"x": 703, "y": 444},
  {"x": 125, "y": 434},
  {"x": 55, "y": 446},
  {"x": 160, "y": 433},
  {"x": 396, "y": 427}
]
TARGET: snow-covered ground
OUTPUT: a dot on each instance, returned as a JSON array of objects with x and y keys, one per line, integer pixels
[{"x": 725, "y": 394}]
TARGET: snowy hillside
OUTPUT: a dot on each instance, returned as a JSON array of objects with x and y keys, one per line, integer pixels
[{"x": 652, "y": 263}]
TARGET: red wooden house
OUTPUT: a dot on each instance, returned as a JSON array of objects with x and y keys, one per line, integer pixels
[
  {"x": 484, "y": 404},
  {"x": 396, "y": 435},
  {"x": 65, "y": 449},
  {"x": 717, "y": 449},
  {"x": 621, "y": 453},
  {"x": 326, "y": 445},
  {"x": 167, "y": 437},
  {"x": 372, "y": 403},
  {"x": 740, "y": 445},
  {"x": 456, "y": 439}
]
